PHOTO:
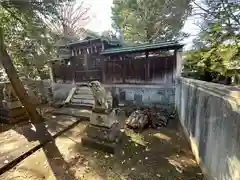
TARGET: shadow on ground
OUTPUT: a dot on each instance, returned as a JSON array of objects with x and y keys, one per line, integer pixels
[
  {"x": 152, "y": 154},
  {"x": 149, "y": 155},
  {"x": 59, "y": 167}
]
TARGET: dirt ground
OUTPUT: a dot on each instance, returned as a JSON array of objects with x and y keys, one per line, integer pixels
[{"x": 150, "y": 155}]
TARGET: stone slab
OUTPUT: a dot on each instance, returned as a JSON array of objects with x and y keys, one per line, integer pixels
[
  {"x": 102, "y": 119},
  {"x": 80, "y": 106},
  {"x": 12, "y": 112},
  {"x": 83, "y": 96},
  {"x": 11, "y": 105},
  {"x": 84, "y": 90},
  {"x": 17, "y": 141},
  {"x": 83, "y": 101},
  {"x": 13, "y": 120},
  {"x": 103, "y": 146},
  {"x": 71, "y": 93},
  {"x": 75, "y": 112},
  {"x": 112, "y": 135}
]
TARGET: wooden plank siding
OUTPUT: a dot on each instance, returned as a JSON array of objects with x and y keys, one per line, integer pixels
[
  {"x": 128, "y": 70},
  {"x": 133, "y": 71}
]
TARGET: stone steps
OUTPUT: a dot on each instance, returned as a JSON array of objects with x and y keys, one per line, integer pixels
[
  {"x": 80, "y": 97},
  {"x": 83, "y": 96}
]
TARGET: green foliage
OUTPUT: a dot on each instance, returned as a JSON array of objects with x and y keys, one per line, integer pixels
[
  {"x": 150, "y": 20},
  {"x": 29, "y": 42},
  {"x": 221, "y": 61},
  {"x": 217, "y": 48}
]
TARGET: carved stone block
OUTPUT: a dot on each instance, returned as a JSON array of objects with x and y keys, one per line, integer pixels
[
  {"x": 102, "y": 138},
  {"x": 11, "y": 105},
  {"x": 103, "y": 119}
]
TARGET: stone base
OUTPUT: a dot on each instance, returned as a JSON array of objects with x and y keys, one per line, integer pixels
[
  {"x": 103, "y": 119},
  {"x": 102, "y": 138},
  {"x": 99, "y": 145},
  {"x": 12, "y": 116},
  {"x": 103, "y": 133},
  {"x": 12, "y": 113},
  {"x": 9, "y": 120},
  {"x": 12, "y": 104}
]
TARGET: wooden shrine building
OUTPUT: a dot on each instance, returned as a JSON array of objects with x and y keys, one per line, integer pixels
[{"x": 112, "y": 63}]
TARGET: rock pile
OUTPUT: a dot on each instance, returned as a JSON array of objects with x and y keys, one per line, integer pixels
[{"x": 140, "y": 119}]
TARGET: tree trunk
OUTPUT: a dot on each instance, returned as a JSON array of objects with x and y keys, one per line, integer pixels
[{"x": 16, "y": 83}]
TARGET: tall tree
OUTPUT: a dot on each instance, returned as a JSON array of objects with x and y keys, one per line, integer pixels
[
  {"x": 218, "y": 43},
  {"x": 150, "y": 20},
  {"x": 28, "y": 13},
  {"x": 73, "y": 16},
  {"x": 28, "y": 45}
]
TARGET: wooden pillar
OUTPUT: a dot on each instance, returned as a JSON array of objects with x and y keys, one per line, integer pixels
[
  {"x": 73, "y": 67},
  {"x": 51, "y": 72},
  {"x": 178, "y": 64},
  {"x": 85, "y": 62},
  {"x": 147, "y": 69},
  {"x": 103, "y": 69},
  {"x": 123, "y": 69}
]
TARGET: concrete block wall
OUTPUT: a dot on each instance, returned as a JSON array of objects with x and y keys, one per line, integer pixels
[
  {"x": 141, "y": 95},
  {"x": 210, "y": 115},
  {"x": 161, "y": 96}
]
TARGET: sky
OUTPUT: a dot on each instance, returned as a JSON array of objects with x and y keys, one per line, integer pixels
[{"x": 100, "y": 13}]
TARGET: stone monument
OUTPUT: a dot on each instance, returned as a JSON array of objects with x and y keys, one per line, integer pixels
[
  {"x": 11, "y": 109},
  {"x": 103, "y": 132}
]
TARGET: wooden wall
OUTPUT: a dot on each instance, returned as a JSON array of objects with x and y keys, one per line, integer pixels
[
  {"x": 128, "y": 70},
  {"x": 161, "y": 70}
]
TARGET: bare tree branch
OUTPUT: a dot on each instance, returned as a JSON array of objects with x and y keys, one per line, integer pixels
[{"x": 72, "y": 19}]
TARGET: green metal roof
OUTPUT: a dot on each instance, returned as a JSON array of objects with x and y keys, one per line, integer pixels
[
  {"x": 110, "y": 41},
  {"x": 77, "y": 42},
  {"x": 143, "y": 47}
]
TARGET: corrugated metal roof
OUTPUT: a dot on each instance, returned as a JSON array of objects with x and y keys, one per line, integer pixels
[
  {"x": 77, "y": 42},
  {"x": 110, "y": 41},
  {"x": 143, "y": 47}
]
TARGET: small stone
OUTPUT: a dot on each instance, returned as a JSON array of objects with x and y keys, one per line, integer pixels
[
  {"x": 147, "y": 149},
  {"x": 146, "y": 158},
  {"x": 86, "y": 163},
  {"x": 6, "y": 161},
  {"x": 158, "y": 175},
  {"x": 106, "y": 156},
  {"x": 123, "y": 161},
  {"x": 122, "y": 130},
  {"x": 133, "y": 169}
]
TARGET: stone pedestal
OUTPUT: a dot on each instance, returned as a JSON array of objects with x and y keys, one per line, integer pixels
[
  {"x": 12, "y": 112},
  {"x": 103, "y": 132},
  {"x": 11, "y": 109},
  {"x": 11, "y": 105}
]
